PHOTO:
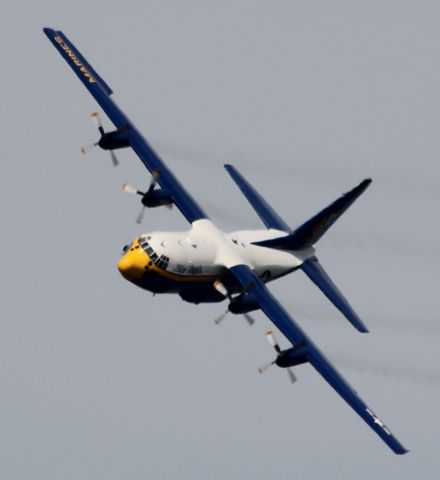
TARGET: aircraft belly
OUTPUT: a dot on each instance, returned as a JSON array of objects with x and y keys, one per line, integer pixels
[{"x": 191, "y": 288}]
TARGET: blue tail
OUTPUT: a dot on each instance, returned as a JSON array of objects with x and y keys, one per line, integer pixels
[
  {"x": 306, "y": 236},
  {"x": 311, "y": 231}
]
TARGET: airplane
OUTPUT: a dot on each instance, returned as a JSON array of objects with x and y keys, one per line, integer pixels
[{"x": 205, "y": 264}]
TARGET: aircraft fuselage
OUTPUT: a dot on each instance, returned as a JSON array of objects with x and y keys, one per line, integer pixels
[{"x": 187, "y": 263}]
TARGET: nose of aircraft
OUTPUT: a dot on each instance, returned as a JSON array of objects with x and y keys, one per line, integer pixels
[{"x": 132, "y": 263}]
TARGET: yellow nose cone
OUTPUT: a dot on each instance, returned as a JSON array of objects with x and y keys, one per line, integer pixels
[{"x": 132, "y": 263}]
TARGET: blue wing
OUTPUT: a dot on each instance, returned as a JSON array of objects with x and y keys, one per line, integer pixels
[
  {"x": 315, "y": 271},
  {"x": 267, "y": 214},
  {"x": 285, "y": 323},
  {"x": 101, "y": 92}
]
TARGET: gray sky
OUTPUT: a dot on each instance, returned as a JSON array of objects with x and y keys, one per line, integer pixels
[{"x": 306, "y": 98}]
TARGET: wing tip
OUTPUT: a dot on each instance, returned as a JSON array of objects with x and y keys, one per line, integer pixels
[
  {"x": 400, "y": 450},
  {"x": 48, "y": 31},
  {"x": 363, "y": 186},
  {"x": 360, "y": 326}
]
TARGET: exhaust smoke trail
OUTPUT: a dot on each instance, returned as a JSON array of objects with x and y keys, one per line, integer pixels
[{"x": 401, "y": 373}]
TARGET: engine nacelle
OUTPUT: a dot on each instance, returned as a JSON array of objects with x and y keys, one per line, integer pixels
[
  {"x": 291, "y": 357},
  {"x": 157, "y": 198},
  {"x": 244, "y": 303},
  {"x": 114, "y": 140}
]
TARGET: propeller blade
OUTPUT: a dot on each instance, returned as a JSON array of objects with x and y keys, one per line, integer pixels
[
  {"x": 249, "y": 319},
  {"x": 218, "y": 285},
  {"x": 115, "y": 160},
  {"x": 220, "y": 318},
  {"x": 89, "y": 147},
  {"x": 272, "y": 340},
  {"x": 265, "y": 367},
  {"x": 292, "y": 376},
  {"x": 96, "y": 120},
  {"x": 140, "y": 217},
  {"x": 154, "y": 177},
  {"x": 128, "y": 188}
]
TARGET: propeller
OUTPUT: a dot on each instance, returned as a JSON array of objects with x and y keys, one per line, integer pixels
[
  {"x": 130, "y": 189},
  {"x": 274, "y": 343},
  {"x": 153, "y": 182},
  {"x": 154, "y": 178},
  {"x": 249, "y": 319},
  {"x": 221, "y": 317},
  {"x": 114, "y": 158},
  {"x": 218, "y": 285},
  {"x": 265, "y": 367},
  {"x": 140, "y": 217},
  {"x": 97, "y": 121},
  {"x": 292, "y": 376},
  {"x": 88, "y": 147}
]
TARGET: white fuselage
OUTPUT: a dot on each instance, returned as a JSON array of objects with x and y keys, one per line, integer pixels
[
  {"x": 196, "y": 252},
  {"x": 195, "y": 264}
]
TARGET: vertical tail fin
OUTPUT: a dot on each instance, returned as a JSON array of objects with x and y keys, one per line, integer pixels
[
  {"x": 311, "y": 231},
  {"x": 305, "y": 236}
]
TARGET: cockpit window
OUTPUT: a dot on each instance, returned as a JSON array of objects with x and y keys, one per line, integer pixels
[{"x": 161, "y": 262}]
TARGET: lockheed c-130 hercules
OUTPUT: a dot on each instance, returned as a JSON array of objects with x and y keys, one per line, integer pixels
[{"x": 204, "y": 264}]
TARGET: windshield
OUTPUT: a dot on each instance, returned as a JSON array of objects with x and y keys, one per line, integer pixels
[{"x": 162, "y": 261}]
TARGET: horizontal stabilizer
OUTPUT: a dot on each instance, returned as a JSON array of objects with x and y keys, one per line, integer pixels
[
  {"x": 314, "y": 270},
  {"x": 311, "y": 231}
]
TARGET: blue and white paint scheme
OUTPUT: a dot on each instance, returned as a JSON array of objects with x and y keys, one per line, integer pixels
[{"x": 204, "y": 264}]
